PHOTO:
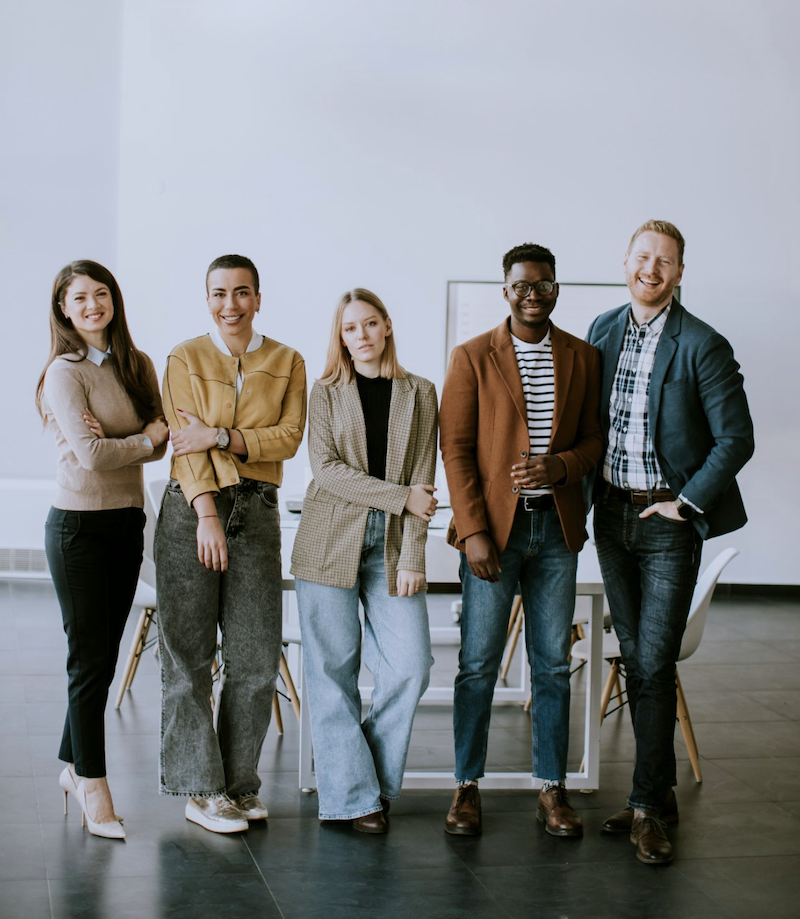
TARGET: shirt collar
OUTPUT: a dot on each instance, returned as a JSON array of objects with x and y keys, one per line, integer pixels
[
  {"x": 652, "y": 326},
  {"x": 529, "y": 344},
  {"x": 256, "y": 341},
  {"x": 96, "y": 356}
]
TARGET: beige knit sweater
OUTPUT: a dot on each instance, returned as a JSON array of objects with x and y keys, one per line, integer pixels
[{"x": 94, "y": 473}]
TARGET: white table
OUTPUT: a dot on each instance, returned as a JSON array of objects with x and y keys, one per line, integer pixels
[{"x": 443, "y": 572}]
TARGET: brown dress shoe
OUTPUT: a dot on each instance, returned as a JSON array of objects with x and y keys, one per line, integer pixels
[
  {"x": 557, "y": 814},
  {"x": 652, "y": 845},
  {"x": 621, "y": 821},
  {"x": 371, "y": 823},
  {"x": 464, "y": 816}
]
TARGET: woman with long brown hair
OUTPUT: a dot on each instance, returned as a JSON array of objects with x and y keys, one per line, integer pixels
[
  {"x": 99, "y": 395},
  {"x": 362, "y": 534}
]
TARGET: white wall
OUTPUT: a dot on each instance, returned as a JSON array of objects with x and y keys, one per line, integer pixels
[
  {"x": 59, "y": 118},
  {"x": 396, "y": 146}
]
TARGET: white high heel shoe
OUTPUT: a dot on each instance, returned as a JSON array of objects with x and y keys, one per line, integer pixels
[
  {"x": 108, "y": 829},
  {"x": 68, "y": 785}
]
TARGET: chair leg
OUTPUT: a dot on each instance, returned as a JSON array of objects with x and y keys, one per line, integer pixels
[
  {"x": 291, "y": 690},
  {"x": 143, "y": 641},
  {"x": 276, "y": 713},
  {"x": 687, "y": 730},
  {"x": 515, "y": 627},
  {"x": 608, "y": 689},
  {"x": 135, "y": 652}
]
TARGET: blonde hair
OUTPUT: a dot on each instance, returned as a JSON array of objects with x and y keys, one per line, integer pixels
[
  {"x": 663, "y": 227},
  {"x": 339, "y": 365}
]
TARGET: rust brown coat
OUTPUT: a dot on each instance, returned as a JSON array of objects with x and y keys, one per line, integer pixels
[{"x": 484, "y": 431}]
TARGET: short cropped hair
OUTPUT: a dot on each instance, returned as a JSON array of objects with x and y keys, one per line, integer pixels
[
  {"x": 528, "y": 252},
  {"x": 234, "y": 261},
  {"x": 666, "y": 229}
]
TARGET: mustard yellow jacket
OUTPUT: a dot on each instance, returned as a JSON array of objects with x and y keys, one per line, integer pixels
[{"x": 270, "y": 411}]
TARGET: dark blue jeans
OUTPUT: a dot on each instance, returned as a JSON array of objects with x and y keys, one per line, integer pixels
[
  {"x": 94, "y": 559},
  {"x": 538, "y": 560},
  {"x": 649, "y": 570}
]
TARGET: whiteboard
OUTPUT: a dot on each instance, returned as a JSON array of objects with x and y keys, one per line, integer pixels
[{"x": 474, "y": 307}]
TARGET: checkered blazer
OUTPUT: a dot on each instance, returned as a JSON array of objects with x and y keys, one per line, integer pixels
[{"x": 327, "y": 549}]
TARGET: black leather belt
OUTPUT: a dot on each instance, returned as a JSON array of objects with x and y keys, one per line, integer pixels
[
  {"x": 536, "y": 502},
  {"x": 645, "y": 498}
]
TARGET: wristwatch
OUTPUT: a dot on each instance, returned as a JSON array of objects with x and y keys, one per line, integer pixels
[
  {"x": 685, "y": 511},
  {"x": 223, "y": 438}
]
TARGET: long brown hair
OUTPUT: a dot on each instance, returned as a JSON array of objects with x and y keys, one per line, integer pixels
[
  {"x": 339, "y": 365},
  {"x": 130, "y": 364}
]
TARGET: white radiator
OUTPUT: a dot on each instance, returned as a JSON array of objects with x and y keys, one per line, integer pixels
[{"x": 24, "y": 505}]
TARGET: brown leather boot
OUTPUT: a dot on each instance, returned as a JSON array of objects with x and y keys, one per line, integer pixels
[
  {"x": 622, "y": 820},
  {"x": 464, "y": 816},
  {"x": 647, "y": 834},
  {"x": 557, "y": 814},
  {"x": 371, "y": 823}
]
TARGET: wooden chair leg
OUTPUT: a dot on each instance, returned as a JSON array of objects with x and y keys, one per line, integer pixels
[
  {"x": 608, "y": 689},
  {"x": 132, "y": 660},
  {"x": 512, "y": 619},
  {"x": 291, "y": 690},
  {"x": 511, "y": 643},
  {"x": 687, "y": 730},
  {"x": 142, "y": 642},
  {"x": 276, "y": 713}
]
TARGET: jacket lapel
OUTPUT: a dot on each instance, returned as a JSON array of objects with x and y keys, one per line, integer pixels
[
  {"x": 563, "y": 362},
  {"x": 401, "y": 414},
  {"x": 667, "y": 346},
  {"x": 505, "y": 361},
  {"x": 354, "y": 413},
  {"x": 610, "y": 360}
]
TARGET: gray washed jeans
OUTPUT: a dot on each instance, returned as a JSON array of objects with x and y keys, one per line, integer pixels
[{"x": 192, "y": 601}]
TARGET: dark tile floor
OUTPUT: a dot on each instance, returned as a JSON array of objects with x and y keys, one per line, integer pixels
[{"x": 738, "y": 842}]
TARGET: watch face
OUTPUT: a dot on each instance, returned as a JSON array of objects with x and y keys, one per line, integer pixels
[
  {"x": 685, "y": 511},
  {"x": 223, "y": 439}
]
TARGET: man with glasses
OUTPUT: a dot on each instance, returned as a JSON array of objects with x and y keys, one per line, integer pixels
[
  {"x": 677, "y": 429},
  {"x": 519, "y": 430}
]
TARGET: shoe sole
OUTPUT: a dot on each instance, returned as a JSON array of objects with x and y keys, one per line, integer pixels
[
  {"x": 463, "y": 830},
  {"x": 215, "y": 827},
  {"x": 654, "y": 861},
  {"x": 569, "y": 834}
]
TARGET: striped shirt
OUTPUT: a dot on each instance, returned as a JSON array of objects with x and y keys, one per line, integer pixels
[
  {"x": 535, "y": 362},
  {"x": 630, "y": 461}
]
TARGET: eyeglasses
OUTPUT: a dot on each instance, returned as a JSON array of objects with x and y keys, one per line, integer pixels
[{"x": 523, "y": 288}]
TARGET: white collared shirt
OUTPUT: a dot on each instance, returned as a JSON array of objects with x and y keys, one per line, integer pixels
[
  {"x": 256, "y": 341},
  {"x": 96, "y": 356}
]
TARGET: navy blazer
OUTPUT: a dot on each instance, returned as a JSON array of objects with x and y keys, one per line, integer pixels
[{"x": 697, "y": 410}]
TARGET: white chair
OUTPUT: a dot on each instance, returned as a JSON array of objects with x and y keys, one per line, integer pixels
[
  {"x": 145, "y": 598},
  {"x": 695, "y": 626}
]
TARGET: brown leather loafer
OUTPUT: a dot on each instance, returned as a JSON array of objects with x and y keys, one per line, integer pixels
[
  {"x": 652, "y": 845},
  {"x": 557, "y": 814},
  {"x": 464, "y": 816},
  {"x": 621, "y": 821},
  {"x": 371, "y": 823}
]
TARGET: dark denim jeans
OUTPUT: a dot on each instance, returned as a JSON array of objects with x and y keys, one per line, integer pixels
[
  {"x": 649, "y": 570},
  {"x": 94, "y": 559},
  {"x": 246, "y": 604},
  {"x": 538, "y": 560}
]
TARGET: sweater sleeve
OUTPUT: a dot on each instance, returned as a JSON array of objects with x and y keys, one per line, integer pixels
[{"x": 66, "y": 397}]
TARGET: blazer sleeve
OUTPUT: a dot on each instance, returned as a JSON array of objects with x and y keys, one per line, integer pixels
[
  {"x": 720, "y": 388},
  {"x": 280, "y": 441},
  {"x": 194, "y": 471},
  {"x": 587, "y": 449},
  {"x": 423, "y": 472},
  {"x": 336, "y": 476},
  {"x": 66, "y": 398},
  {"x": 458, "y": 425}
]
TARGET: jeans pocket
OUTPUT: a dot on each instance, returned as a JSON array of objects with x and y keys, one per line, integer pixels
[
  {"x": 268, "y": 494},
  {"x": 677, "y": 523}
]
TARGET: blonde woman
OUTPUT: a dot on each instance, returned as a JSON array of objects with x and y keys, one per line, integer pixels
[{"x": 362, "y": 534}]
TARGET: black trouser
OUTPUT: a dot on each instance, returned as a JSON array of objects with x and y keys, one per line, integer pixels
[{"x": 94, "y": 559}]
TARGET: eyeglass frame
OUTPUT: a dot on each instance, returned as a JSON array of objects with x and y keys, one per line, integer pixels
[{"x": 535, "y": 286}]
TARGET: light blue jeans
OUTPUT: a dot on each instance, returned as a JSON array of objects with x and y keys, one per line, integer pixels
[{"x": 358, "y": 764}]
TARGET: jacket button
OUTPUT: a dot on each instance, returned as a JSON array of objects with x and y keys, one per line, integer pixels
[
  {"x": 514, "y": 489},
  {"x": 228, "y": 405},
  {"x": 523, "y": 453}
]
